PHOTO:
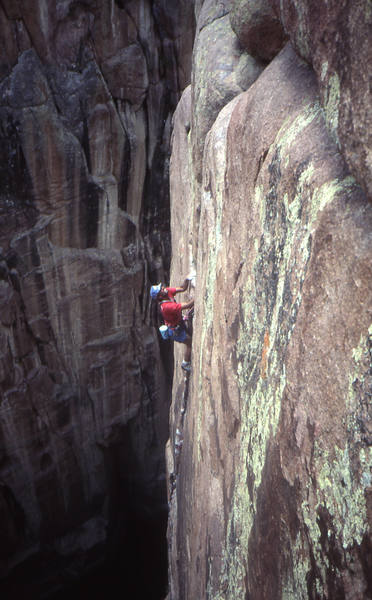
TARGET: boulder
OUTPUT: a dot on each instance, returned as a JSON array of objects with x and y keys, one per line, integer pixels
[
  {"x": 221, "y": 70},
  {"x": 258, "y": 28}
]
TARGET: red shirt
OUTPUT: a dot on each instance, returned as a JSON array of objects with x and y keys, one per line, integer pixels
[{"x": 171, "y": 310}]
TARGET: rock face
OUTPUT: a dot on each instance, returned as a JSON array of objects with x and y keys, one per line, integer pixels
[
  {"x": 335, "y": 38},
  {"x": 258, "y": 28},
  {"x": 221, "y": 70},
  {"x": 270, "y": 470},
  {"x": 87, "y": 92}
]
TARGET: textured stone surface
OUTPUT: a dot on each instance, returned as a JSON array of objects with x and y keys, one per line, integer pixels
[
  {"x": 269, "y": 460},
  {"x": 271, "y": 491},
  {"x": 258, "y": 28},
  {"x": 335, "y": 37},
  {"x": 221, "y": 70},
  {"x": 87, "y": 92},
  {"x": 180, "y": 187}
]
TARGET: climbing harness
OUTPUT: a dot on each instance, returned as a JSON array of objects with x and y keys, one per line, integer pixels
[{"x": 170, "y": 333}]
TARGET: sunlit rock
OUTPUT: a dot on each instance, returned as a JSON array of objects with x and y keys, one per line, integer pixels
[{"x": 270, "y": 491}]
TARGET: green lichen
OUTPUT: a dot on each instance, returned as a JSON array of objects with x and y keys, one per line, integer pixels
[
  {"x": 294, "y": 127},
  {"x": 360, "y": 350},
  {"x": 302, "y": 36},
  {"x": 295, "y": 587},
  {"x": 324, "y": 70},
  {"x": 328, "y": 191},
  {"x": 340, "y": 489},
  {"x": 343, "y": 496},
  {"x": 264, "y": 332},
  {"x": 332, "y": 105}
]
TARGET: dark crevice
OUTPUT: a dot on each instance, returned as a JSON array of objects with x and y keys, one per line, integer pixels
[
  {"x": 133, "y": 563},
  {"x": 125, "y": 175},
  {"x": 259, "y": 166}
]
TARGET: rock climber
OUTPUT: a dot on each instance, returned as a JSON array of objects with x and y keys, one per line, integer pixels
[{"x": 171, "y": 311}]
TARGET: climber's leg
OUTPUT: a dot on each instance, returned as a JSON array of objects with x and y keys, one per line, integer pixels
[
  {"x": 186, "y": 363},
  {"x": 183, "y": 338},
  {"x": 187, "y": 354}
]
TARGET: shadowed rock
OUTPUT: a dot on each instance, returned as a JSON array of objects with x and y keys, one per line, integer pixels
[
  {"x": 258, "y": 28},
  {"x": 87, "y": 92}
]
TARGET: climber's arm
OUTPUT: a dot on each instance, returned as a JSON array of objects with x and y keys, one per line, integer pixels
[
  {"x": 183, "y": 287},
  {"x": 186, "y": 305}
]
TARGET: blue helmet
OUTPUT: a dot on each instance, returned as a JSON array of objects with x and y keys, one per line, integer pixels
[{"x": 155, "y": 289}]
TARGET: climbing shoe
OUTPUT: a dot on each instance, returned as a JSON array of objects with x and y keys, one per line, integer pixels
[{"x": 186, "y": 366}]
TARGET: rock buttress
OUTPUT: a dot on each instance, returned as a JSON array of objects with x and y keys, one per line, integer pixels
[{"x": 271, "y": 493}]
